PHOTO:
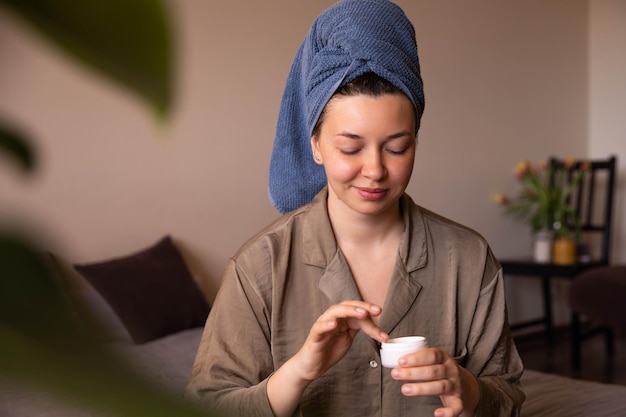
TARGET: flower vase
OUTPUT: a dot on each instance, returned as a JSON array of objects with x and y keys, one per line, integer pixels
[
  {"x": 564, "y": 250},
  {"x": 542, "y": 245}
]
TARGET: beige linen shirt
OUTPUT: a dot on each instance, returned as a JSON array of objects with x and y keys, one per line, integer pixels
[{"x": 446, "y": 286}]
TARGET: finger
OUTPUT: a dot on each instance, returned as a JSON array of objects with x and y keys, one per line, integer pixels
[
  {"x": 421, "y": 373},
  {"x": 351, "y": 308},
  {"x": 321, "y": 329},
  {"x": 341, "y": 318},
  {"x": 430, "y": 388},
  {"x": 368, "y": 327},
  {"x": 357, "y": 316},
  {"x": 447, "y": 412},
  {"x": 356, "y": 324},
  {"x": 424, "y": 357},
  {"x": 453, "y": 407}
]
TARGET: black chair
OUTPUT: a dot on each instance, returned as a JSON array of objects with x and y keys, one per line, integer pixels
[{"x": 592, "y": 201}]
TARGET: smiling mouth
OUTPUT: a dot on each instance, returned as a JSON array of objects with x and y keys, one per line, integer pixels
[{"x": 372, "y": 193}]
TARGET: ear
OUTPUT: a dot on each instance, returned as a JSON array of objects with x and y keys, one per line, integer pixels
[{"x": 315, "y": 149}]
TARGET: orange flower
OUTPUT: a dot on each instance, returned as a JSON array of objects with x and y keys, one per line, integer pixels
[
  {"x": 501, "y": 199},
  {"x": 522, "y": 168},
  {"x": 568, "y": 162}
]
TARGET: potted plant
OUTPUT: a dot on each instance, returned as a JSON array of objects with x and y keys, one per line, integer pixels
[{"x": 543, "y": 202}]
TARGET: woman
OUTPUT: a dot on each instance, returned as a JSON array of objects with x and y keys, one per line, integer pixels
[{"x": 303, "y": 306}]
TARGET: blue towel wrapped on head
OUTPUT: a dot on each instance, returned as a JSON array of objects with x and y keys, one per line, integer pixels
[{"x": 347, "y": 40}]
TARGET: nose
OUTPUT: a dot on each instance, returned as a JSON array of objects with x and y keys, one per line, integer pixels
[{"x": 373, "y": 166}]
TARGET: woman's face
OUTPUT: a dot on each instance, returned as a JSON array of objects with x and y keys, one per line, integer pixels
[{"x": 367, "y": 147}]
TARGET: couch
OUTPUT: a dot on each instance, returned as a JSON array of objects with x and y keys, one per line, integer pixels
[{"x": 164, "y": 354}]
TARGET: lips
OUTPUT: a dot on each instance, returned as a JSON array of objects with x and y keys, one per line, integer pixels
[{"x": 372, "y": 193}]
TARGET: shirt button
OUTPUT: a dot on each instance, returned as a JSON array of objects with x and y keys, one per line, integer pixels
[{"x": 373, "y": 364}]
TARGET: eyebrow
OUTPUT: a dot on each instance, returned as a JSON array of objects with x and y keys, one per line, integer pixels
[{"x": 358, "y": 137}]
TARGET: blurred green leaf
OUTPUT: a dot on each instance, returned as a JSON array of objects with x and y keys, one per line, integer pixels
[
  {"x": 129, "y": 41},
  {"x": 87, "y": 376},
  {"x": 30, "y": 299},
  {"x": 17, "y": 146},
  {"x": 41, "y": 347}
]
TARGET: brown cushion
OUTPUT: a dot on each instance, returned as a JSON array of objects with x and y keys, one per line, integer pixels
[
  {"x": 600, "y": 295},
  {"x": 151, "y": 291}
]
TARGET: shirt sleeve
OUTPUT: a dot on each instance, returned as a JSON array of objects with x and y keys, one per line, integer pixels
[
  {"x": 494, "y": 359},
  {"x": 234, "y": 358}
]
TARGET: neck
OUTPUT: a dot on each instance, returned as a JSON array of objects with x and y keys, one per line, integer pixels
[{"x": 353, "y": 228}]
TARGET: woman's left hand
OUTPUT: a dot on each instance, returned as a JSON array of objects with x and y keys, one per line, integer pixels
[{"x": 433, "y": 372}]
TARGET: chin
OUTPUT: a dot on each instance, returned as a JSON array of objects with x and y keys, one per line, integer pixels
[{"x": 372, "y": 208}]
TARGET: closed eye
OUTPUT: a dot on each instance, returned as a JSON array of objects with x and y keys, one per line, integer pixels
[{"x": 397, "y": 151}]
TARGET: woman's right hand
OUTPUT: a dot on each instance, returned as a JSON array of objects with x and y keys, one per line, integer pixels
[
  {"x": 332, "y": 334},
  {"x": 329, "y": 339}
]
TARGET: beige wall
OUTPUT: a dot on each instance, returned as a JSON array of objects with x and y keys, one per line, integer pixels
[
  {"x": 504, "y": 81},
  {"x": 607, "y": 99}
]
